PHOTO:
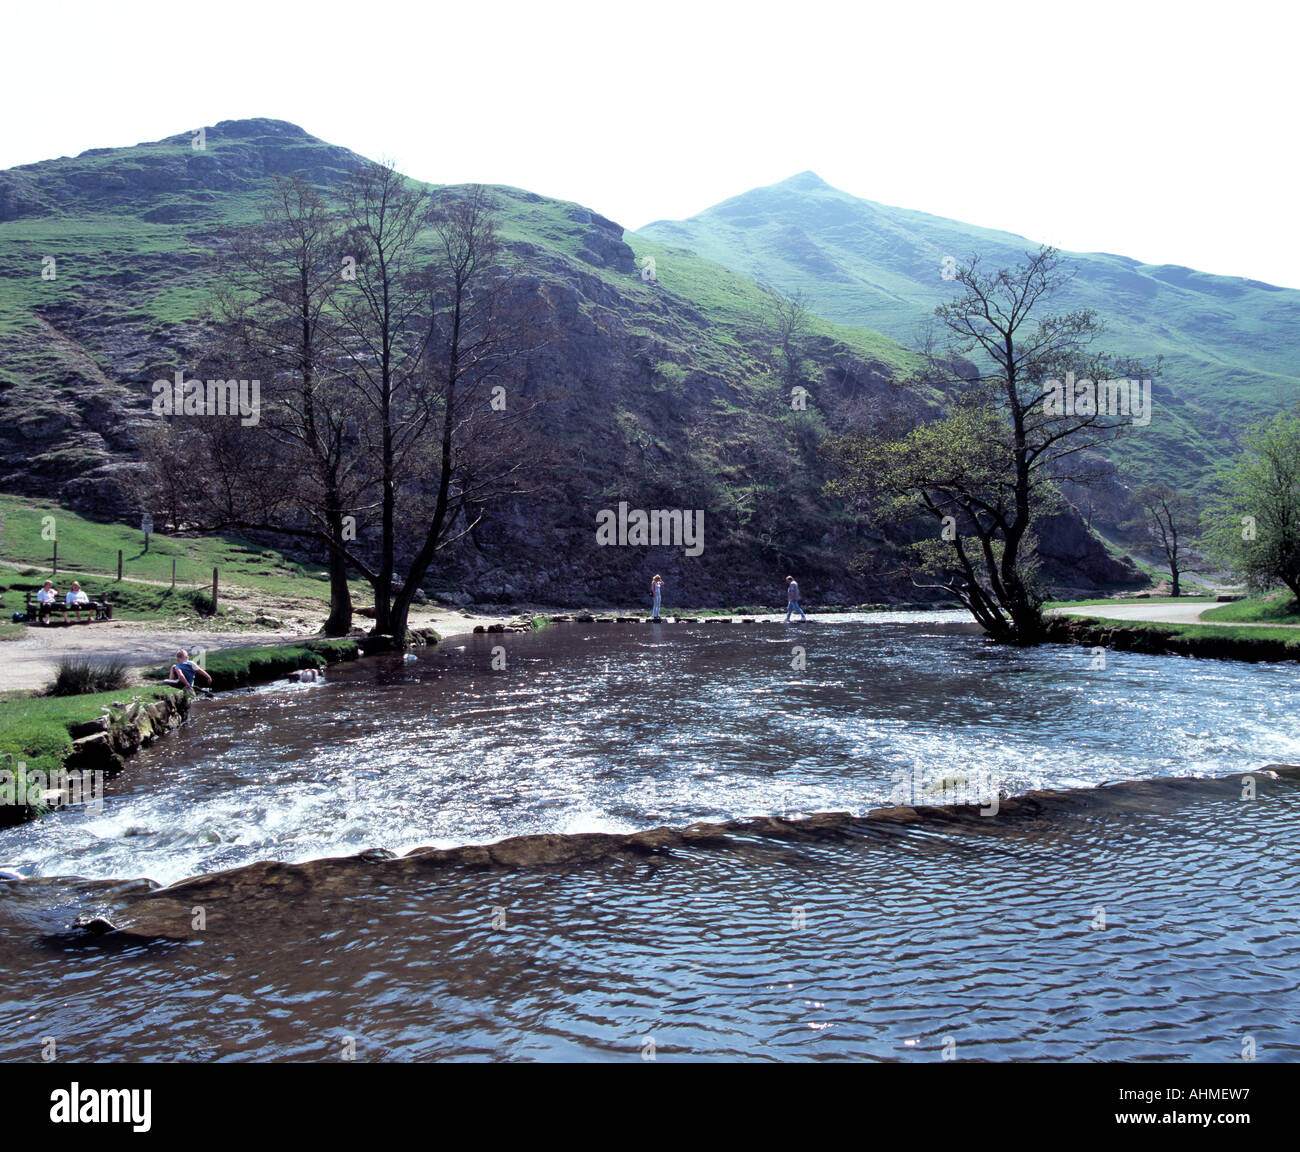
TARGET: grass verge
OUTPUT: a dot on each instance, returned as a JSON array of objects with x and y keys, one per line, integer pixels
[
  {"x": 248, "y": 664},
  {"x": 1275, "y": 608},
  {"x": 35, "y": 733},
  {"x": 90, "y": 547},
  {"x": 1215, "y": 641}
]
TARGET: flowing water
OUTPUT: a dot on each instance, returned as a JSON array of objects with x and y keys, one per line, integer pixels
[{"x": 1161, "y": 930}]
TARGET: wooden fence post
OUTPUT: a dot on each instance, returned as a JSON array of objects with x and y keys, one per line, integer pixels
[
  {"x": 119, "y": 563},
  {"x": 214, "y": 591},
  {"x": 56, "y": 558},
  {"x": 173, "y": 571}
]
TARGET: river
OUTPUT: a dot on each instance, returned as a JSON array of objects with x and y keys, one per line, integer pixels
[{"x": 1158, "y": 929}]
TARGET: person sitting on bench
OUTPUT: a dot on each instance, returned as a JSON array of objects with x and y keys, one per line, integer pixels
[
  {"x": 76, "y": 600},
  {"x": 45, "y": 600}
]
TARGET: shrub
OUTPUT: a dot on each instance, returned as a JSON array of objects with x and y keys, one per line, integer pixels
[
  {"x": 77, "y": 677},
  {"x": 202, "y": 601}
]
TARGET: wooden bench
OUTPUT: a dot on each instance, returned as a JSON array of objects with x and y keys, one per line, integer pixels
[{"x": 99, "y": 609}]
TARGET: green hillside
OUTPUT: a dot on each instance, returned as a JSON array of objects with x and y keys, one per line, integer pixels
[
  {"x": 660, "y": 383},
  {"x": 1231, "y": 347},
  {"x": 670, "y": 394}
]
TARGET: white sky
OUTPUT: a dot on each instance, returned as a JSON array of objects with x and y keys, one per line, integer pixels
[{"x": 1166, "y": 131}]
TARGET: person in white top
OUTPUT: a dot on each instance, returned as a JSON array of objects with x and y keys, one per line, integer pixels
[
  {"x": 46, "y": 598},
  {"x": 76, "y": 600}
]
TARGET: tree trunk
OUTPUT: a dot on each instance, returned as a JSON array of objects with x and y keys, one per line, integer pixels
[
  {"x": 397, "y": 622},
  {"x": 339, "y": 622}
]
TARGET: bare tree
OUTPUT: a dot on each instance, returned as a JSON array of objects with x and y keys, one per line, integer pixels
[
  {"x": 168, "y": 455},
  {"x": 277, "y": 316},
  {"x": 393, "y": 341},
  {"x": 486, "y": 326},
  {"x": 1168, "y": 519},
  {"x": 385, "y": 325},
  {"x": 790, "y": 324},
  {"x": 433, "y": 342}
]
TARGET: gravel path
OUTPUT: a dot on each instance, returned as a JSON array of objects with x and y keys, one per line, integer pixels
[
  {"x": 1160, "y": 613},
  {"x": 31, "y": 663}
]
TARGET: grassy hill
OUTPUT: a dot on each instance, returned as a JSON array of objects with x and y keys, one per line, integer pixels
[
  {"x": 1231, "y": 346},
  {"x": 88, "y": 550},
  {"x": 670, "y": 391}
]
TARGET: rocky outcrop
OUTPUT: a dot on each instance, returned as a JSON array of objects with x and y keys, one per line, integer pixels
[
  {"x": 603, "y": 243},
  {"x": 1074, "y": 559},
  {"x": 103, "y": 744}
]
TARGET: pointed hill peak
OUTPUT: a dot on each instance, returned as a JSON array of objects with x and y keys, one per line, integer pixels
[{"x": 806, "y": 182}]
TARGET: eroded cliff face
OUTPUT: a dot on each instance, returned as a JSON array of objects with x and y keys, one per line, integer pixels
[{"x": 657, "y": 392}]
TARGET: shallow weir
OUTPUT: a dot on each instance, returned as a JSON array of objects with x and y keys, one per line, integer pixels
[{"x": 621, "y": 896}]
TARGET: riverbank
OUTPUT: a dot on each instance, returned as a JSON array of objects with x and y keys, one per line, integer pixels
[
  {"x": 56, "y": 750},
  {"x": 255, "y": 664},
  {"x": 56, "y": 739},
  {"x": 29, "y": 662},
  {"x": 1253, "y": 643}
]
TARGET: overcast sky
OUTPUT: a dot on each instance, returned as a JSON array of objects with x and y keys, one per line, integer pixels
[{"x": 1166, "y": 131}]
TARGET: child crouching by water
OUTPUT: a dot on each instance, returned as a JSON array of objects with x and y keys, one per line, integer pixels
[{"x": 183, "y": 672}]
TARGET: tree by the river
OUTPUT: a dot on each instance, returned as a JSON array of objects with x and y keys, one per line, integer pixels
[
  {"x": 1027, "y": 401},
  {"x": 1254, "y": 518}
]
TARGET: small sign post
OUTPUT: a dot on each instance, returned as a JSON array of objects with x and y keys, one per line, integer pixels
[{"x": 146, "y": 526}]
